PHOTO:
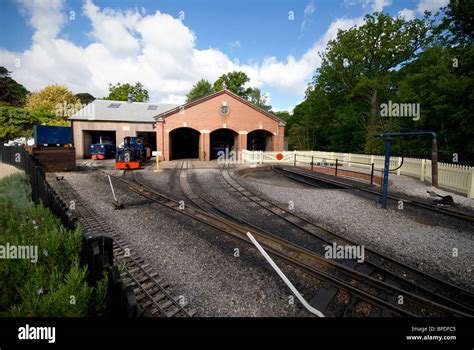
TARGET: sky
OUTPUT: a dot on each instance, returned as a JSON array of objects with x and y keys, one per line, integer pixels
[{"x": 169, "y": 45}]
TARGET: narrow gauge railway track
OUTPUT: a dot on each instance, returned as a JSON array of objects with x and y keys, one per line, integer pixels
[
  {"x": 381, "y": 296},
  {"x": 376, "y": 264},
  {"x": 151, "y": 293},
  {"x": 305, "y": 176}
]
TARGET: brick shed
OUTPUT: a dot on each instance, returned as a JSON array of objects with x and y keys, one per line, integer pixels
[{"x": 220, "y": 121}]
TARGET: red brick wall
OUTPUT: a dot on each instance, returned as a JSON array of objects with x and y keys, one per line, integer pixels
[{"x": 205, "y": 117}]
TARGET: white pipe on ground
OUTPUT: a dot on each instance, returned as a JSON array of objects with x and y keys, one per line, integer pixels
[
  {"x": 112, "y": 187},
  {"x": 284, "y": 278}
]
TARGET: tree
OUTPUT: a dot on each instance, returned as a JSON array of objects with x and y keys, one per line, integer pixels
[
  {"x": 361, "y": 61},
  {"x": 85, "y": 97},
  {"x": 358, "y": 71},
  {"x": 284, "y": 115},
  {"x": 55, "y": 99},
  {"x": 201, "y": 89},
  {"x": 11, "y": 93},
  {"x": 255, "y": 96},
  {"x": 233, "y": 81},
  {"x": 442, "y": 79},
  {"x": 17, "y": 122},
  {"x": 121, "y": 92}
]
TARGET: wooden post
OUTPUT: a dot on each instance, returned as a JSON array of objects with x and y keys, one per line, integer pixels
[
  {"x": 434, "y": 163},
  {"x": 470, "y": 186},
  {"x": 422, "y": 171}
]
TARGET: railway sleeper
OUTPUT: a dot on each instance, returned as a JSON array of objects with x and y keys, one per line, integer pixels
[
  {"x": 156, "y": 297},
  {"x": 130, "y": 282}
]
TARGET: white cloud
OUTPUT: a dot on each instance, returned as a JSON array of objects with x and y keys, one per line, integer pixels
[
  {"x": 373, "y": 5},
  {"x": 233, "y": 45},
  {"x": 155, "y": 49},
  {"x": 431, "y": 5},
  {"x": 308, "y": 12},
  {"x": 45, "y": 17},
  {"x": 407, "y": 14},
  {"x": 379, "y": 5}
]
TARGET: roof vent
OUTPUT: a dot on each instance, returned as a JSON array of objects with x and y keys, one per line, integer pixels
[
  {"x": 152, "y": 107},
  {"x": 114, "y": 105}
]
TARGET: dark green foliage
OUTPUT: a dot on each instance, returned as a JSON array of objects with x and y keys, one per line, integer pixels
[
  {"x": 233, "y": 81},
  {"x": 85, "y": 97},
  {"x": 121, "y": 92},
  {"x": 390, "y": 59},
  {"x": 255, "y": 96},
  {"x": 18, "y": 122},
  {"x": 56, "y": 274},
  {"x": 201, "y": 89},
  {"x": 11, "y": 92}
]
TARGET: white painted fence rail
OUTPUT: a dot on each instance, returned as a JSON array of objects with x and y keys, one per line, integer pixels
[{"x": 457, "y": 178}]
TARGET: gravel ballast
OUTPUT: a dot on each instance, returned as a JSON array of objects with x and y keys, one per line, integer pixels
[
  {"x": 426, "y": 247},
  {"x": 198, "y": 261}
]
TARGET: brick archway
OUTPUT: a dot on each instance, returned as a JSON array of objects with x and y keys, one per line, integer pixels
[
  {"x": 260, "y": 140},
  {"x": 222, "y": 140},
  {"x": 184, "y": 143}
]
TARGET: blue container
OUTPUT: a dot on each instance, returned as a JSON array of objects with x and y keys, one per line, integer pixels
[{"x": 52, "y": 135}]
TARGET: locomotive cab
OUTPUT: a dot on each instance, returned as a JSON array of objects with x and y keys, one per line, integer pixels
[{"x": 131, "y": 153}]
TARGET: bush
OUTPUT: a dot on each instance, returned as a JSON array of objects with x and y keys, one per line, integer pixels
[{"x": 55, "y": 285}]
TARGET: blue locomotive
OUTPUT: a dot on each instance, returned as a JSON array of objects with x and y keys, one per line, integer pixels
[
  {"x": 102, "y": 151},
  {"x": 132, "y": 153}
]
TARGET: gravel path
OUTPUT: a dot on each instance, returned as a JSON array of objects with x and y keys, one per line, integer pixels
[
  {"x": 7, "y": 170},
  {"x": 426, "y": 247},
  {"x": 197, "y": 260}
]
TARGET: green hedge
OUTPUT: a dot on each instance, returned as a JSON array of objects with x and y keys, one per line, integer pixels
[{"x": 55, "y": 285}]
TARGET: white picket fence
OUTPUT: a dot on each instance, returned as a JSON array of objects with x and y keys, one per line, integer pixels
[{"x": 457, "y": 178}]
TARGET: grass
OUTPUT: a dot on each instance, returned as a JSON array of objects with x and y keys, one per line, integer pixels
[{"x": 55, "y": 285}]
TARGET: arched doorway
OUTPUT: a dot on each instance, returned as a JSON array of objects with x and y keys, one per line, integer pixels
[
  {"x": 223, "y": 140},
  {"x": 184, "y": 143},
  {"x": 259, "y": 140}
]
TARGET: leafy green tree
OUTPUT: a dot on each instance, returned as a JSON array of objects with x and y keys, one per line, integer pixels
[
  {"x": 85, "y": 97},
  {"x": 284, "y": 115},
  {"x": 358, "y": 72},
  {"x": 121, "y": 92},
  {"x": 17, "y": 122},
  {"x": 201, "y": 89},
  {"x": 235, "y": 82},
  {"x": 11, "y": 92},
  {"x": 255, "y": 96},
  {"x": 442, "y": 80}
]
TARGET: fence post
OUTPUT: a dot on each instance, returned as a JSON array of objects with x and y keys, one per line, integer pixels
[
  {"x": 336, "y": 166},
  {"x": 372, "y": 174},
  {"x": 312, "y": 161},
  {"x": 422, "y": 171},
  {"x": 399, "y": 170},
  {"x": 470, "y": 186},
  {"x": 294, "y": 163}
]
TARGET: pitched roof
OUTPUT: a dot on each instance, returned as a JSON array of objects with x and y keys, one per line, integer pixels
[
  {"x": 164, "y": 114},
  {"x": 106, "y": 110}
]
